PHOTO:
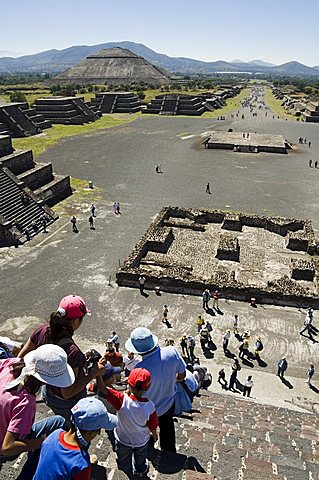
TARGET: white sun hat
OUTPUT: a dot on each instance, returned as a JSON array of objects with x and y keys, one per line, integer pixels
[{"x": 48, "y": 364}]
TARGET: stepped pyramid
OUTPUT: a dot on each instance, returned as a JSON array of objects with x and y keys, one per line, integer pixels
[{"x": 113, "y": 66}]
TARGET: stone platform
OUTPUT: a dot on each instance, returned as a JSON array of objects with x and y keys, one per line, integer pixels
[
  {"x": 185, "y": 251},
  {"x": 247, "y": 142}
]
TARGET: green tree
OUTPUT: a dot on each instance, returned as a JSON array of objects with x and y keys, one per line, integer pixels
[{"x": 17, "y": 96}]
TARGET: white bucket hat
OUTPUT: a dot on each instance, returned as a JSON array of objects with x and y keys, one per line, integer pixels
[{"x": 48, "y": 364}]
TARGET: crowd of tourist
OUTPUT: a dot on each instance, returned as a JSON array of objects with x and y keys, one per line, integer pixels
[{"x": 133, "y": 395}]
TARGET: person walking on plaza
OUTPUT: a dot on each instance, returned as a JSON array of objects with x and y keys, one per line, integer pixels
[
  {"x": 191, "y": 345},
  {"x": 235, "y": 325},
  {"x": 165, "y": 314},
  {"x": 184, "y": 346},
  {"x": 248, "y": 385},
  {"x": 310, "y": 373},
  {"x": 308, "y": 324},
  {"x": 141, "y": 282},
  {"x": 282, "y": 367},
  {"x": 222, "y": 378},
  {"x": 204, "y": 337},
  {"x": 216, "y": 297},
  {"x": 206, "y": 298},
  {"x": 91, "y": 222},
  {"x": 208, "y": 189},
  {"x": 93, "y": 209},
  {"x": 166, "y": 367},
  {"x": 74, "y": 226},
  {"x": 226, "y": 338},
  {"x": 115, "y": 340},
  {"x": 258, "y": 348},
  {"x": 200, "y": 323},
  {"x": 233, "y": 377}
]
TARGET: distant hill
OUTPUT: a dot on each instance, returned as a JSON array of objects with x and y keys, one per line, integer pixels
[{"x": 56, "y": 61}]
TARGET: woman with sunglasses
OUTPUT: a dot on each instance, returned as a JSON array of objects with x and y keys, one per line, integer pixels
[{"x": 59, "y": 331}]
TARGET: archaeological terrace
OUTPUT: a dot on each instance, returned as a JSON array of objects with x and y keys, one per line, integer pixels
[{"x": 186, "y": 250}]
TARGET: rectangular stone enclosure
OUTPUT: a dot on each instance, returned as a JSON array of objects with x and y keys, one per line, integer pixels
[
  {"x": 247, "y": 142},
  {"x": 185, "y": 251}
]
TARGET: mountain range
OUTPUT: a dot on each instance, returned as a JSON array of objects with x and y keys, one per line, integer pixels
[{"x": 55, "y": 61}]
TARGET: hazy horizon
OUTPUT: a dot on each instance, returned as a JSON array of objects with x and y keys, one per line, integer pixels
[{"x": 267, "y": 30}]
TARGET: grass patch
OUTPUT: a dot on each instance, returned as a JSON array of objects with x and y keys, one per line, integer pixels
[
  {"x": 231, "y": 105},
  {"x": 82, "y": 197},
  {"x": 275, "y": 105},
  {"x": 39, "y": 143}
]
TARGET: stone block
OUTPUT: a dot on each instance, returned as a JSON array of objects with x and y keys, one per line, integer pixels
[
  {"x": 302, "y": 269},
  {"x": 228, "y": 248}
]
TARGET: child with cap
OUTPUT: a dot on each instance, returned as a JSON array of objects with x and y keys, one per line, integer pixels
[
  {"x": 137, "y": 419},
  {"x": 64, "y": 455}
]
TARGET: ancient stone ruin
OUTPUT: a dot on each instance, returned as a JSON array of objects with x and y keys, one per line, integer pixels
[
  {"x": 113, "y": 66},
  {"x": 273, "y": 259},
  {"x": 247, "y": 142},
  {"x": 19, "y": 120}
]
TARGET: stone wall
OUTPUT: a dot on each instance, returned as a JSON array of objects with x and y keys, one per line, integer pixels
[{"x": 171, "y": 259}]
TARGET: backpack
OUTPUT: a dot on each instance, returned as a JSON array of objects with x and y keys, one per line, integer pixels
[{"x": 259, "y": 346}]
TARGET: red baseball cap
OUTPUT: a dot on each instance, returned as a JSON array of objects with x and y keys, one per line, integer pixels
[
  {"x": 73, "y": 306},
  {"x": 140, "y": 375}
]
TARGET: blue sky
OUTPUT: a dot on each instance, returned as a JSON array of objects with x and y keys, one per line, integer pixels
[{"x": 272, "y": 30}]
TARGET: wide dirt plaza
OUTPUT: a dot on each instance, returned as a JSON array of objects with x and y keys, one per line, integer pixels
[{"x": 121, "y": 163}]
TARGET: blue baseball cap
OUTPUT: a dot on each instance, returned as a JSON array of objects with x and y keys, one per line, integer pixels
[
  {"x": 90, "y": 414},
  {"x": 109, "y": 371},
  {"x": 141, "y": 341}
]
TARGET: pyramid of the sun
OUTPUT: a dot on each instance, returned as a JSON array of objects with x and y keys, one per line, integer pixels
[{"x": 113, "y": 66}]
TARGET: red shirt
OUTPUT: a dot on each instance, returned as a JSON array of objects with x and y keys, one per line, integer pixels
[{"x": 114, "y": 358}]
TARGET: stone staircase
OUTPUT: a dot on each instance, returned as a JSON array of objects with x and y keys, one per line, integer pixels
[
  {"x": 224, "y": 438},
  {"x": 13, "y": 210}
]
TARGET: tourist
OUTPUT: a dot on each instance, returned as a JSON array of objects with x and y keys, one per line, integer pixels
[
  {"x": 64, "y": 455},
  {"x": 91, "y": 222},
  {"x": 310, "y": 163},
  {"x": 165, "y": 314},
  {"x": 141, "y": 281},
  {"x": 93, "y": 209},
  {"x": 208, "y": 325},
  {"x": 20, "y": 382},
  {"x": 208, "y": 188},
  {"x": 200, "y": 323},
  {"x": 258, "y": 348},
  {"x": 114, "y": 207},
  {"x": 222, "y": 378},
  {"x": 74, "y": 226},
  {"x": 216, "y": 297},
  {"x": 113, "y": 357},
  {"x": 248, "y": 385},
  {"x": 34, "y": 227},
  {"x": 316, "y": 164},
  {"x": 226, "y": 338},
  {"x": 308, "y": 324},
  {"x": 282, "y": 367},
  {"x": 204, "y": 337},
  {"x": 309, "y": 144},
  {"x": 244, "y": 348},
  {"x": 235, "y": 325},
  {"x": 166, "y": 367},
  {"x": 233, "y": 377},
  {"x": 130, "y": 362},
  {"x": 184, "y": 345},
  {"x": 60, "y": 330},
  {"x": 115, "y": 340},
  {"x": 44, "y": 222},
  {"x": 137, "y": 420},
  {"x": 118, "y": 208},
  {"x": 310, "y": 373},
  {"x": 206, "y": 298},
  {"x": 27, "y": 234},
  {"x": 191, "y": 345}
]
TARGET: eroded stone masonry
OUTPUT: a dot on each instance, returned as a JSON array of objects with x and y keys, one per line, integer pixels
[{"x": 184, "y": 251}]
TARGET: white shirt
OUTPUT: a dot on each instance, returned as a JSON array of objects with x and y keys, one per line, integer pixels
[
  {"x": 132, "y": 429},
  {"x": 130, "y": 363}
]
